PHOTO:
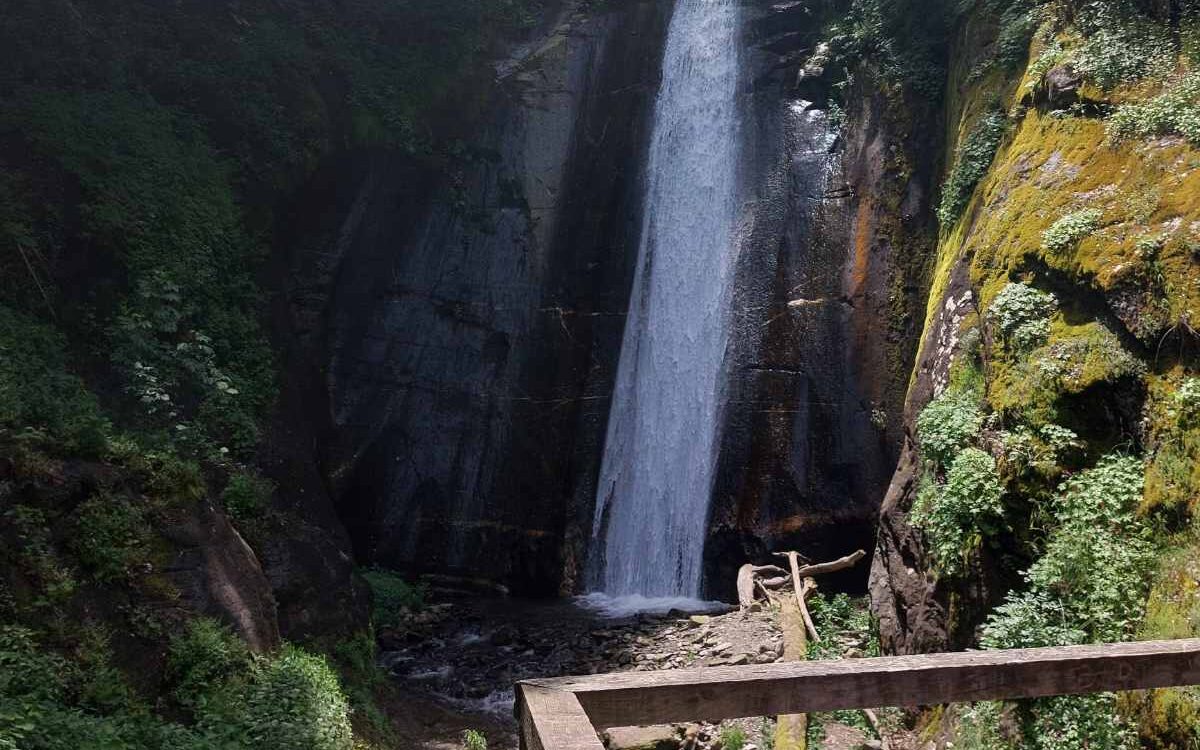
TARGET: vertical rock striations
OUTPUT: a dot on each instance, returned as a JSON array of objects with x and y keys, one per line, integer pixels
[{"x": 465, "y": 331}]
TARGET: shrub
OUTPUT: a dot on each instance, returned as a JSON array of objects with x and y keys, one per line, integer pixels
[
  {"x": 840, "y": 615},
  {"x": 948, "y": 424},
  {"x": 48, "y": 703},
  {"x": 1065, "y": 233},
  {"x": 1077, "y": 721},
  {"x": 1089, "y": 585},
  {"x": 955, "y": 517},
  {"x": 1123, "y": 50},
  {"x": 1040, "y": 448},
  {"x": 1031, "y": 619},
  {"x": 204, "y": 662},
  {"x": 37, "y": 389},
  {"x": 296, "y": 703},
  {"x": 473, "y": 740},
  {"x": 290, "y": 700},
  {"x": 971, "y": 163},
  {"x": 978, "y": 727},
  {"x": 1091, "y": 582},
  {"x": 247, "y": 495},
  {"x": 1187, "y": 402},
  {"x": 391, "y": 595},
  {"x": 111, "y": 536},
  {"x": 1176, "y": 111},
  {"x": 732, "y": 738},
  {"x": 1022, "y": 314}
]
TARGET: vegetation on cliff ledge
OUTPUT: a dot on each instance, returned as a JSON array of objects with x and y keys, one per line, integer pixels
[
  {"x": 148, "y": 151},
  {"x": 1079, "y": 241}
]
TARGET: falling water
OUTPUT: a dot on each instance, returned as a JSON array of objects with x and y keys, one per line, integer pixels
[{"x": 657, "y": 473}]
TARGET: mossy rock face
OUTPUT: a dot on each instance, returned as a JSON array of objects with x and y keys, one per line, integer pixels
[
  {"x": 1141, "y": 254},
  {"x": 1078, "y": 207}
]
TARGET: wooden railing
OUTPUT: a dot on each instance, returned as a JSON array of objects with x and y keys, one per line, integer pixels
[{"x": 564, "y": 713}]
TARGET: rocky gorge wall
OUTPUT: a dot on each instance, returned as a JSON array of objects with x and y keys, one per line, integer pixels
[
  {"x": 465, "y": 331},
  {"x": 1122, "y": 289},
  {"x": 462, "y": 336},
  {"x": 831, "y": 271}
]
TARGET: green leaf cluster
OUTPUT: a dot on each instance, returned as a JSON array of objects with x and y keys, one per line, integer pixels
[
  {"x": 1022, "y": 313},
  {"x": 1065, "y": 233},
  {"x": 1089, "y": 585},
  {"x": 391, "y": 596},
  {"x": 1175, "y": 111},
  {"x": 971, "y": 163},
  {"x": 957, "y": 515},
  {"x": 948, "y": 424}
]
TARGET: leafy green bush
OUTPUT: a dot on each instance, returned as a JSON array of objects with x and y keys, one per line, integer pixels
[
  {"x": 1122, "y": 47},
  {"x": 289, "y": 700},
  {"x": 841, "y": 616},
  {"x": 948, "y": 424},
  {"x": 204, "y": 662},
  {"x": 38, "y": 391},
  {"x": 978, "y": 727},
  {"x": 1187, "y": 403},
  {"x": 48, "y": 703},
  {"x": 294, "y": 703},
  {"x": 1091, "y": 582},
  {"x": 1022, "y": 314},
  {"x": 391, "y": 595},
  {"x": 971, "y": 163},
  {"x": 1031, "y": 619},
  {"x": 111, "y": 535},
  {"x": 473, "y": 740},
  {"x": 958, "y": 515},
  {"x": 1077, "y": 721},
  {"x": 247, "y": 495},
  {"x": 1176, "y": 111},
  {"x": 1065, "y": 233},
  {"x": 732, "y": 737},
  {"x": 1089, "y": 585}
]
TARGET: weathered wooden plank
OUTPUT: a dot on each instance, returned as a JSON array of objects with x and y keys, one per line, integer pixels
[
  {"x": 636, "y": 698},
  {"x": 553, "y": 720}
]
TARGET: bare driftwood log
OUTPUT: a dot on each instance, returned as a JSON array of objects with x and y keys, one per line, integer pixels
[
  {"x": 849, "y": 561},
  {"x": 746, "y": 579},
  {"x": 791, "y": 730},
  {"x": 873, "y": 720}
]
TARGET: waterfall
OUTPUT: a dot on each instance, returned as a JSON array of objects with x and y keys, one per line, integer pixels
[{"x": 660, "y": 451}]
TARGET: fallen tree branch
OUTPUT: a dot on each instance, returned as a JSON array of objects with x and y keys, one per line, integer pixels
[
  {"x": 873, "y": 720},
  {"x": 848, "y": 561},
  {"x": 746, "y": 580},
  {"x": 809, "y": 587}
]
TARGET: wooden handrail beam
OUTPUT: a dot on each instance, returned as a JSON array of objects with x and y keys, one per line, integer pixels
[
  {"x": 637, "y": 698},
  {"x": 553, "y": 720}
]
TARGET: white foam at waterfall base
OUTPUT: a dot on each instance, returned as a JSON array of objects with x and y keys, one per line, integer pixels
[
  {"x": 661, "y": 448},
  {"x": 617, "y": 607}
]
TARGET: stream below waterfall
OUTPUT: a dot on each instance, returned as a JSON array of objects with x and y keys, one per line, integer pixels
[{"x": 457, "y": 660}]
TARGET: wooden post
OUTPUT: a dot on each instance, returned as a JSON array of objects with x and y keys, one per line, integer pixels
[
  {"x": 791, "y": 730},
  {"x": 553, "y": 720}
]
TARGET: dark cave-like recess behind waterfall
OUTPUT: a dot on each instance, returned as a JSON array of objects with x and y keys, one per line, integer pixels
[{"x": 464, "y": 330}]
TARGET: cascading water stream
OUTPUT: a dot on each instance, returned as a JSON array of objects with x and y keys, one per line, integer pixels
[{"x": 660, "y": 452}]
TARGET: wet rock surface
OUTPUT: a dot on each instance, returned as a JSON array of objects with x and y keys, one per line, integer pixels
[{"x": 467, "y": 654}]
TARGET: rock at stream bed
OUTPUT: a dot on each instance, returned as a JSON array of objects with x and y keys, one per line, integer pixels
[{"x": 659, "y": 737}]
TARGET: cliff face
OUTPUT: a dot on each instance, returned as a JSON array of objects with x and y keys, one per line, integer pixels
[
  {"x": 830, "y": 273},
  {"x": 1058, "y": 330},
  {"x": 1118, "y": 295},
  {"x": 466, "y": 330},
  {"x": 463, "y": 337}
]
